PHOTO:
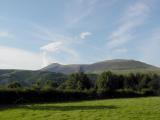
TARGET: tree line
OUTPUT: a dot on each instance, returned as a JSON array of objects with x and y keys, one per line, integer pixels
[{"x": 79, "y": 86}]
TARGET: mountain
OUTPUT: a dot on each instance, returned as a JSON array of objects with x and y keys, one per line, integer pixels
[
  {"x": 58, "y": 72},
  {"x": 113, "y": 65}
]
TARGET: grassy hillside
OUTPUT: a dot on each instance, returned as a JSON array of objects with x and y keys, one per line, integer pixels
[
  {"x": 113, "y": 109},
  {"x": 26, "y": 77}
]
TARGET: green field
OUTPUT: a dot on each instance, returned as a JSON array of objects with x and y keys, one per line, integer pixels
[{"x": 113, "y": 109}]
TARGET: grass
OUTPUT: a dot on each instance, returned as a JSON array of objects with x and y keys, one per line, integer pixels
[{"x": 114, "y": 109}]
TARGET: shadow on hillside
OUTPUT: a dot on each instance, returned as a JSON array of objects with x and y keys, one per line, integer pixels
[{"x": 58, "y": 108}]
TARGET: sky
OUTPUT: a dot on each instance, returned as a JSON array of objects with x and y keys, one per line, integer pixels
[{"x": 36, "y": 33}]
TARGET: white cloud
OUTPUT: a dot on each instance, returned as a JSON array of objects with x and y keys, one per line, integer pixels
[
  {"x": 13, "y": 58},
  {"x": 50, "y": 50},
  {"x": 52, "y": 47},
  {"x": 83, "y": 35},
  {"x": 56, "y": 44},
  {"x": 134, "y": 17},
  {"x": 47, "y": 59}
]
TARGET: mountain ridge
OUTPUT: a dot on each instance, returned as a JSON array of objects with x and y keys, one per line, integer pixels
[{"x": 115, "y": 64}]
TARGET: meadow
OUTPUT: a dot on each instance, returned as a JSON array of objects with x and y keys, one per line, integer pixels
[{"x": 147, "y": 108}]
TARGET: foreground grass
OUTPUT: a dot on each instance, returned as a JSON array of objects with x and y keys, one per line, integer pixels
[{"x": 115, "y": 109}]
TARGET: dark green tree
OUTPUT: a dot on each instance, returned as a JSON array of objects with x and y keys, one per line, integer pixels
[
  {"x": 106, "y": 81},
  {"x": 132, "y": 80},
  {"x": 14, "y": 85},
  {"x": 36, "y": 85},
  {"x": 77, "y": 81},
  {"x": 155, "y": 84},
  {"x": 50, "y": 84},
  {"x": 144, "y": 82}
]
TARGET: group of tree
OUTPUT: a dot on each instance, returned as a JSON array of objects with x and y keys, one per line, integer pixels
[{"x": 80, "y": 85}]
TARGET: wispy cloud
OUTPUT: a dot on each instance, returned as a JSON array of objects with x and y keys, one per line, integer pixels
[
  {"x": 82, "y": 9},
  {"x": 83, "y": 35},
  {"x": 57, "y": 44},
  {"x": 51, "y": 47},
  {"x": 60, "y": 47},
  {"x": 43, "y": 33},
  {"x": 134, "y": 16}
]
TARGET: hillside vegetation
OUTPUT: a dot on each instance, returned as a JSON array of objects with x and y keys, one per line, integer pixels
[
  {"x": 28, "y": 77},
  {"x": 80, "y": 86}
]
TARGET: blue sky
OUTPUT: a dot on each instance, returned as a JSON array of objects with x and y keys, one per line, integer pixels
[{"x": 35, "y": 33}]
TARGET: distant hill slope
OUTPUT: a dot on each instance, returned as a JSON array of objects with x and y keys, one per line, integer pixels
[
  {"x": 27, "y": 77},
  {"x": 117, "y": 65}
]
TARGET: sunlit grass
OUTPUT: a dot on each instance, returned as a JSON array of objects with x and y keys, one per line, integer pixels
[{"x": 114, "y": 109}]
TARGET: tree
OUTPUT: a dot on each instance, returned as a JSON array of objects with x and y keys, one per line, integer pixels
[
  {"x": 77, "y": 81},
  {"x": 49, "y": 84},
  {"x": 155, "y": 84},
  {"x": 36, "y": 85},
  {"x": 120, "y": 81},
  {"x": 106, "y": 81},
  {"x": 144, "y": 82},
  {"x": 132, "y": 81},
  {"x": 83, "y": 82},
  {"x": 14, "y": 85}
]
